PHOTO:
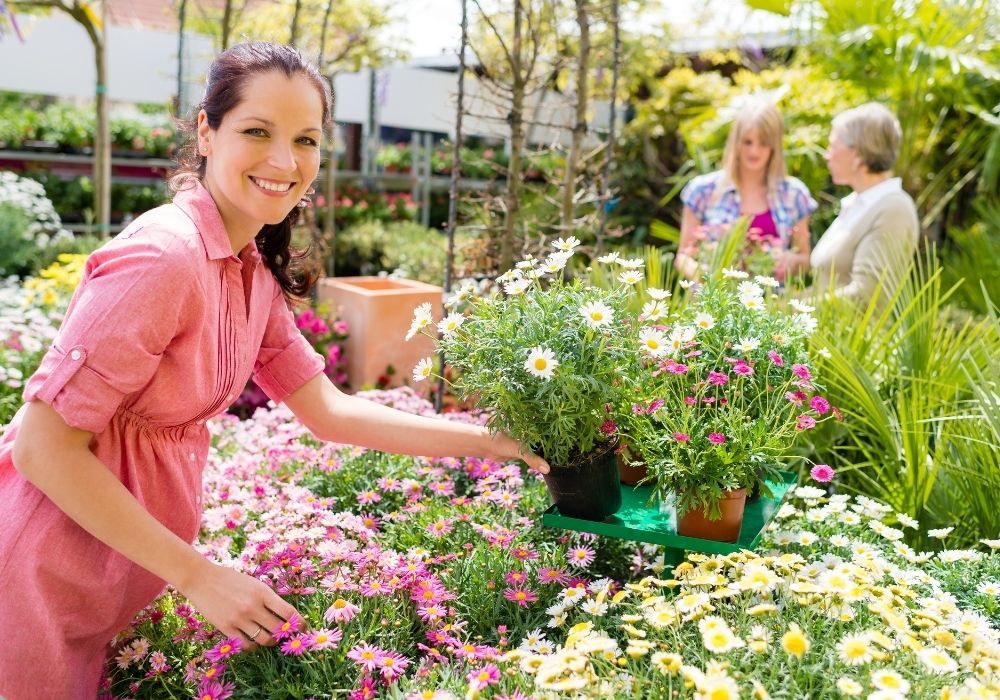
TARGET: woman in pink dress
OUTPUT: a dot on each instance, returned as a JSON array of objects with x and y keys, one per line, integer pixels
[{"x": 100, "y": 471}]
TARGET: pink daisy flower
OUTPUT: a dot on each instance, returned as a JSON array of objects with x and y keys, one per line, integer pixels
[
  {"x": 374, "y": 587},
  {"x": 655, "y": 405},
  {"x": 795, "y": 397},
  {"x": 295, "y": 646},
  {"x": 690, "y": 400},
  {"x": 392, "y": 665},
  {"x": 820, "y": 405},
  {"x": 287, "y": 628},
  {"x": 802, "y": 372},
  {"x": 717, "y": 378},
  {"x": 524, "y": 553},
  {"x": 432, "y": 612},
  {"x": 439, "y": 528},
  {"x": 341, "y": 611},
  {"x": 676, "y": 368},
  {"x": 367, "y": 497},
  {"x": 716, "y": 438},
  {"x": 365, "y": 655},
  {"x": 609, "y": 427},
  {"x": 682, "y": 437},
  {"x": 742, "y": 368},
  {"x": 214, "y": 690},
  {"x": 521, "y": 596},
  {"x": 482, "y": 677},
  {"x": 225, "y": 649},
  {"x": 581, "y": 556},
  {"x": 823, "y": 473},
  {"x": 805, "y": 422},
  {"x": 547, "y": 575},
  {"x": 323, "y": 639},
  {"x": 516, "y": 578},
  {"x": 775, "y": 358}
]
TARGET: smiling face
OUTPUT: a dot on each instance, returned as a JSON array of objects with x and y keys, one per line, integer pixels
[
  {"x": 265, "y": 153},
  {"x": 755, "y": 154}
]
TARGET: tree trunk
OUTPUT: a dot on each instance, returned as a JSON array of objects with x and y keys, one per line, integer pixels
[
  {"x": 227, "y": 19},
  {"x": 610, "y": 148},
  {"x": 512, "y": 196},
  {"x": 294, "y": 37},
  {"x": 580, "y": 125}
]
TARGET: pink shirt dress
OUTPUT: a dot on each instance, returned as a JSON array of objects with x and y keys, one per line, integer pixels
[{"x": 161, "y": 335}]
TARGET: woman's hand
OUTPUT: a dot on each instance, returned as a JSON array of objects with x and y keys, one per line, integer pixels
[
  {"x": 504, "y": 448},
  {"x": 238, "y": 605}
]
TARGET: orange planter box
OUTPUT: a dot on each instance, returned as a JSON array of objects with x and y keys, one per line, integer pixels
[{"x": 378, "y": 312}]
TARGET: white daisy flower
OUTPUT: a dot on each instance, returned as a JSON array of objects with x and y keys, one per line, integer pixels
[
  {"x": 749, "y": 289},
  {"x": 824, "y": 353},
  {"x": 516, "y": 286},
  {"x": 631, "y": 263},
  {"x": 609, "y": 258},
  {"x": 906, "y": 521},
  {"x": 508, "y": 276},
  {"x": 423, "y": 369},
  {"x": 937, "y": 660},
  {"x": 541, "y": 362},
  {"x": 765, "y": 281},
  {"x": 752, "y": 302},
  {"x": 990, "y": 588},
  {"x": 525, "y": 264},
  {"x": 566, "y": 245},
  {"x": 686, "y": 284},
  {"x": 630, "y": 277},
  {"x": 657, "y": 293},
  {"x": 422, "y": 316},
  {"x": 940, "y": 533},
  {"x": 653, "y": 310},
  {"x": 889, "y": 680},
  {"x": 652, "y": 341},
  {"x": 801, "y": 307},
  {"x": 450, "y": 323},
  {"x": 807, "y": 323},
  {"x": 992, "y": 544},
  {"x": 595, "y": 608},
  {"x": 597, "y": 314},
  {"x": 733, "y": 274},
  {"x": 747, "y": 345},
  {"x": 704, "y": 321}
]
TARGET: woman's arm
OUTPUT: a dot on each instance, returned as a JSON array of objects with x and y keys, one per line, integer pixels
[
  {"x": 337, "y": 417},
  {"x": 685, "y": 261},
  {"x": 795, "y": 261},
  {"x": 56, "y": 458}
]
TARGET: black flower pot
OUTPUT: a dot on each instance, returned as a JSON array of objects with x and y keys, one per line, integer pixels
[{"x": 588, "y": 489}]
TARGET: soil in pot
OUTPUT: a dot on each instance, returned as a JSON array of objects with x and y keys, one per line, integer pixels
[
  {"x": 695, "y": 523},
  {"x": 588, "y": 488}
]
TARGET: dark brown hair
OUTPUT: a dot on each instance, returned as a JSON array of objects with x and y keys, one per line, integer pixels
[{"x": 223, "y": 91}]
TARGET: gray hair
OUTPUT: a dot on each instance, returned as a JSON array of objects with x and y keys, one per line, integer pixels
[{"x": 873, "y": 131}]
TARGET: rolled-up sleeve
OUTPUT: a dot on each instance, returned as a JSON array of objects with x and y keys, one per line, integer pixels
[
  {"x": 286, "y": 360},
  {"x": 121, "y": 319}
]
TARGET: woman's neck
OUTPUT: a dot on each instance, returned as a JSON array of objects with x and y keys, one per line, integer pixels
[
  {"x": 866, "y": 180},
  {"x": 756, "y": 179}
]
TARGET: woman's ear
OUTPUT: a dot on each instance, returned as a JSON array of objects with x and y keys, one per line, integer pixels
[{"x": 204, "y": 134}]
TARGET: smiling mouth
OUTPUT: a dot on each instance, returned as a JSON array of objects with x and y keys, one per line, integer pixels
[{"x": 271, "y": 185}]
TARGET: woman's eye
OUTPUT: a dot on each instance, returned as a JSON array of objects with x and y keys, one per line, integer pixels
[
  {"x": 308, "y": 141},
  {"x": 255, "y": 132}
]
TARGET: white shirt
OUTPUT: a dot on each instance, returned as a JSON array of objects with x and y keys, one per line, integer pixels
[{"x": 852, "y": 208}]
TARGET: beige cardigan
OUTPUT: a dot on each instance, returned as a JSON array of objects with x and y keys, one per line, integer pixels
[{"x": 852, "y": 260}]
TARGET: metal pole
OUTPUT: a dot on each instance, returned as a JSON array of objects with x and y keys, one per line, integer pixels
[
  {"x": 453, "y": 189},
  {"x": 182, "y": 11},
  {"x": 609, "y": 151}
]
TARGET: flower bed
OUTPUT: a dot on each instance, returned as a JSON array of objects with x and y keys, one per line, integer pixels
[{"x": 432, "y": 578}]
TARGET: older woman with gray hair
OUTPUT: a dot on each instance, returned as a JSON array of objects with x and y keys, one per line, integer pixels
[{"x": 870, "y": 244}]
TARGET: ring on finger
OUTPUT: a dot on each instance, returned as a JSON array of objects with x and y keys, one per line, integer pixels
[{"x": 252, "y": 636}]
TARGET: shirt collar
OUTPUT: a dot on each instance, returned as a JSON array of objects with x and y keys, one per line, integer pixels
[
  {"x": 876, "y": 192},
  {"x": 196, "y": 201}
]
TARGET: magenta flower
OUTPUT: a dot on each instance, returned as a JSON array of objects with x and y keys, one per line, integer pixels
[
  {"x": 214, "y": 690},
  {"x": 682, "y": 437},
  {"x": 521, "y": 596},
  {"x": 638, "y": 409},
  {"x": 581, "y": 556},
  {"x": 392, "y": 665},
  {"x": 288, "y": 627},
  {"x": 228, "y": 647},
  {"x": 676, "y": 368},
  {"x": 482, "y": 677},
  {"x": 608, "y": 427},
  {"x": 524, "y": 553},
  {"x": 796, "y": 397},
  {"x": 439, "y": 528},
  {"x": 805, "y": 422},
  {"x": 547, "y": 575},
  {"x": 295, "y": 646},
  {"x": 655, "y": 405},
  {"x": 716, "y": 438},
  {"x": 775, "y": 358},
  {"x": 823, "y": 473},
  {"x": 743, "y": 369},
  {"x": 516, "y": 578},
  {"x": 820, "y": 405},
  {"x": 717, "y": 378},
  {"x": 432, "y": 613},
  {"x": 690, "y": 400},
  {"x": 367, "y": 497},
  {"x": 802, "y": 372}
]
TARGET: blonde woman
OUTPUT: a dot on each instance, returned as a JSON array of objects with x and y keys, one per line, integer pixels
[
  {"x": 875, "y": 235},
  {"x": 753, "y": 182}
]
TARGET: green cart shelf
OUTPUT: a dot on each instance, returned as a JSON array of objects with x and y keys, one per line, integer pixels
[{"x": 641, "y": 521}]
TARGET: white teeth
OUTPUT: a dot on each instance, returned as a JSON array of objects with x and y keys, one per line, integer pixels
[{"x": 272, "y": 186}]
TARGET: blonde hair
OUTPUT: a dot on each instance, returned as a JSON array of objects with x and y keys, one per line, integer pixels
[
  {"x": 873, "y": 131},
  {"x": 765, "y": 118}
]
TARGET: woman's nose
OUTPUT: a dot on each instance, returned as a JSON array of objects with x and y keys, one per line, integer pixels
[{"x": 281, "y": 157}]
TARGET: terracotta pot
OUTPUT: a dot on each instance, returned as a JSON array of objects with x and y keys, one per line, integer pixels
[
  {"x": 378, "y": 311},
  {"x": 695, "y": 522},
  {"x": 589, "y": 489},
  {"x": 630, "y": 474}
]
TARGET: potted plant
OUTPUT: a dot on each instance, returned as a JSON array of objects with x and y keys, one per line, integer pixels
[
  {"x": 550, "y": 360},
  {"x": 723, "y": 403}
]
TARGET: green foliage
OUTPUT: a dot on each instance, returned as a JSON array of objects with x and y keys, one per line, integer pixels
[
  {"x": 16, "y": 246},
  {"x": 917, "y": 388},
  {"x": 970, "y": 257}
]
